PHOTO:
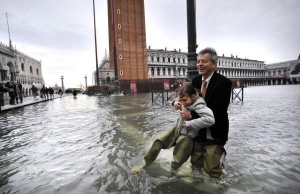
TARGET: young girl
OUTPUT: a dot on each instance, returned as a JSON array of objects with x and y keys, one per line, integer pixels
[{"x": 182, "y": 135}]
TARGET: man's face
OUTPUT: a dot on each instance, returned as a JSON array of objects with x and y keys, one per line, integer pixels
[{"x": 205, "y": 65}]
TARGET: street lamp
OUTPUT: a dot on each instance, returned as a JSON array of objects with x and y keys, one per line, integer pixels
[
  {"x": 97, "y": 69},
  {"x": 192, "y": 39},
  {"x": 62, "y": 83},
  {"x": 85, "y": 83}
]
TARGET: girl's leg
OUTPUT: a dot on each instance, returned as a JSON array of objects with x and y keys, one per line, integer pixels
[
  {"x": 149, "y": 157},
  {"x": 182, "y": 151}
]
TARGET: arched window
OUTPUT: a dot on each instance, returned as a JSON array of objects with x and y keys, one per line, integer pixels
[
  {"x": 37, "y": 71},
  {"x": 30, "y": 69},
  {"x": 22, "y": 67},
  {"x": 107, "y": 80}
]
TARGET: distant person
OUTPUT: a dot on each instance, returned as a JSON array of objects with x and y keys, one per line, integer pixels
[
  {"x": 19, "y": 85},
  {"x": 46, "y": 93},
  {"x": 60, "y": 92},
  {"x": 17, "y": 91},
  {"x": 75, "y": 93},
  {"x": 11, "y": 92},
  {"x": 209, "y": 151},
  {"x": 51, "y": 92},
  {"x": 182, "y": 135},
  {"x": 26, "y": 93},
  {"x": 3, "y": 89},
  {"x": 43, "y": 92},
  {"x": 34, "y": 92}
]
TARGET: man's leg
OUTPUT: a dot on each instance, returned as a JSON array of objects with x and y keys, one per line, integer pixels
[
  {"x": 197, "y": 156},
  {"x": 213, "y": 160}
]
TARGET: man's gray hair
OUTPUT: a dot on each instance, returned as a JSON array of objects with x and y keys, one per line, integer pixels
[{"x": 212, "y": 52}]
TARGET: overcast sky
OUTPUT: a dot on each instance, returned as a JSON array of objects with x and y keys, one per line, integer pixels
[{"x": 60, "y": 33}]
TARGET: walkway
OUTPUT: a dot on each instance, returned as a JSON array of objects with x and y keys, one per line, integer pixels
[{"x": 26, "y": 101}]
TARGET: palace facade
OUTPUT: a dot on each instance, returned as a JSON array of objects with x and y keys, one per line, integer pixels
[
  {"x": 172, "y": 64},
  {"x": 286, "y": 72},
  {"x": 19, "y": 67}
]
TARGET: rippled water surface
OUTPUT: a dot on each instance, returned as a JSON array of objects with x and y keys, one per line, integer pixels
[{"x": 89, "y": 144}]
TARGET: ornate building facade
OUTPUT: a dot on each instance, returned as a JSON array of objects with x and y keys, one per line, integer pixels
[
  {"x": 19, "y": 67},
  {"x": 106, "y": 74},
  {"x": 166, "y": 64},
  {"x": 251, "y": 72},
  {"x": 287, "y": 72},
  {"x": 173, "y": 64}
]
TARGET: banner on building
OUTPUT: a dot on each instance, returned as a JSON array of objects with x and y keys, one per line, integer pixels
[
  {"x": 166, "y": 84},
  {"x": 237, "y": 83}
]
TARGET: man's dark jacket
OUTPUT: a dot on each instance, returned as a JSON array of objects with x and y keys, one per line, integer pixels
[{"x": 217, "y": 98}]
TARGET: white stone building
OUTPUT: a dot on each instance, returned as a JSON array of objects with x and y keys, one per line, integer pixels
[
  {"x": 166, "y": 64},
  {"x": 106, "y": 74},
  {"x": 286, "y": 72},
  {"x": 19, "y": 67},
  {"x": 172, "y": 64}
]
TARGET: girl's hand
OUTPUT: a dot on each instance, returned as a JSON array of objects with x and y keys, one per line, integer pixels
[
  {"x": 186, "y": 123},
  {"x": 177, "y": 105}
]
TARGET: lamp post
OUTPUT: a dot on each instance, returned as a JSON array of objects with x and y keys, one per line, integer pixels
[
  {"x": 62, "y": 83},
  {"x": 85, "y": 83},
  {"x": 192, "y": 39},
  {"x": 97, "y": 69}
]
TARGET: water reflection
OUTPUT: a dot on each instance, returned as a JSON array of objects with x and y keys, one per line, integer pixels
[{"x": 89, "y": 144}]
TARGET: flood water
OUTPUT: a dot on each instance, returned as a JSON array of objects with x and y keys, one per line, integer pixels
[{"x": 88, "y": 145}]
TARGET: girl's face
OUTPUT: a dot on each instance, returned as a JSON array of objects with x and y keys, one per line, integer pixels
[{"x": 186, "y": 100}]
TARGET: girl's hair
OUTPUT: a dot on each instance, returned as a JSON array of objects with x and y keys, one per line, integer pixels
[{"x": 186, "y": 89}]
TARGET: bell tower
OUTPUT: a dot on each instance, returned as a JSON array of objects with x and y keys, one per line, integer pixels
[{"x": 127, "y": 35}]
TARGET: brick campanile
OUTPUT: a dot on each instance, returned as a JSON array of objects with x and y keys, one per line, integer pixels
[{"x": 130, "y": 38}]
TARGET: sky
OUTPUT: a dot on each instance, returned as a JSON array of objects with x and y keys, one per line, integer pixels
[{"x": 60, "y": 33}]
